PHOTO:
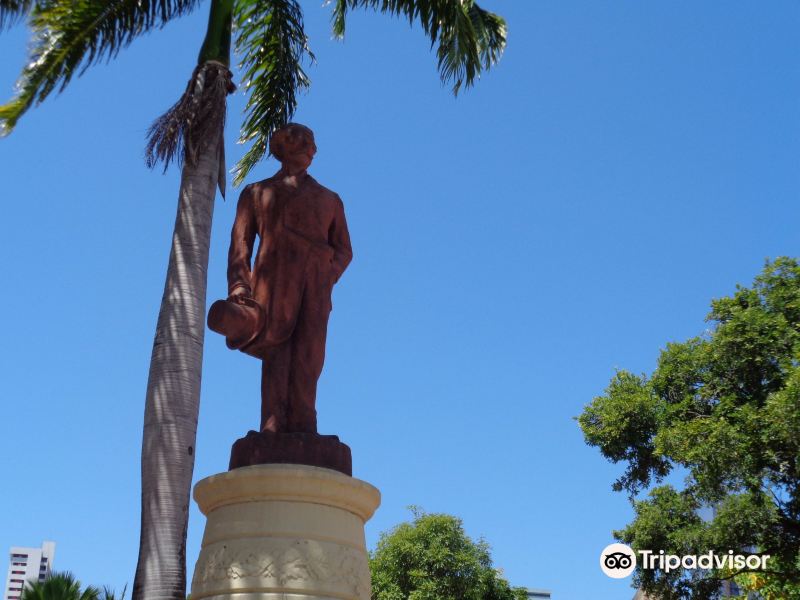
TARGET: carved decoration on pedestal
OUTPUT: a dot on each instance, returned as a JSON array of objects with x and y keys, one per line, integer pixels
[{"x": 283, "y": 564}]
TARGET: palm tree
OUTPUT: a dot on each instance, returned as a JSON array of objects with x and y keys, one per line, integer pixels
[
  {"x": 64, "y": 586},
  {"x": 68, "y": 36}
]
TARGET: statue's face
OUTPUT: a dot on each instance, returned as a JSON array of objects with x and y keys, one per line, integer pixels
[{"x": 301, "y": 153}]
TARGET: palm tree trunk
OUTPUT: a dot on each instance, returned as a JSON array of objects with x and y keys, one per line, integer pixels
[
  {"x": 173, "y": 388},
  {"x": 172, "y": 404}
]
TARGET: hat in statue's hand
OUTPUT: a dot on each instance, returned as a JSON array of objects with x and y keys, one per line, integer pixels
[{"x": 239, "y": 321}]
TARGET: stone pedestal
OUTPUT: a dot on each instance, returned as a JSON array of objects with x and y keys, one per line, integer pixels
[
  {"x": 266, "y": 447},
  {"x": 283, "y": 532}
]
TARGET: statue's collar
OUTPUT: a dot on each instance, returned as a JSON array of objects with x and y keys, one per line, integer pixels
[{"x": 293, "y": 181}]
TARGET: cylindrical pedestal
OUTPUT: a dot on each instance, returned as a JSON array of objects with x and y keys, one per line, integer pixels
[{"x": 283, "y": 532}]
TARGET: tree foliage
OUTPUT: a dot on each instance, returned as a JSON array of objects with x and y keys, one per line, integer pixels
[
  {"x": 12, "y": 11},
  {"x": 724, "y": 407},
  {"x": 273, "y": 47},
  {"x": 432, "y": 558},
  {"x": 68, "y": 36},
  {"x": 64, "y": 586}
]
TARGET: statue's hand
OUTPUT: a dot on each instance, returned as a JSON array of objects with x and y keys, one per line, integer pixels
[{"x": 239, "y": 293}]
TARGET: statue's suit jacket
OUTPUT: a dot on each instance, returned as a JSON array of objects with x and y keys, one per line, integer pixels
[{"x": 304, "y": 248}]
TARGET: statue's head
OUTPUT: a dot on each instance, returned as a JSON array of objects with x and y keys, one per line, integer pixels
[{"x": 293, "y": 142}]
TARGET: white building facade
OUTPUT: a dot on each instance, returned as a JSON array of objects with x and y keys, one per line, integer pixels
[{"x": 27, "y": 564}]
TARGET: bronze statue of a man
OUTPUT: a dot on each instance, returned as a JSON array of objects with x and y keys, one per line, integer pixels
[{"x": 283, "y": 298}]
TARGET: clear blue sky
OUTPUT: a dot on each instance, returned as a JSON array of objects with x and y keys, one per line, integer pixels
[{"x": 625, "y": 163}]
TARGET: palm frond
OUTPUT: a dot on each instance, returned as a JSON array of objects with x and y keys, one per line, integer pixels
[
  {"x": 470, "y": 38},
  {"x": 13, "y": 11},
  {"x": 61, "y": 585},
  {"x": 339, "y": 17},
  {"x": 68, "y": 36},
  {"x": 490, "y": 30},
  {"x": 110, "y": 594},
  {"x": 273, "y": 45}
]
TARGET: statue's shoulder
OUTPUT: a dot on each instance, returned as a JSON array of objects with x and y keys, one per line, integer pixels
[
  {"x": 261, "y": 186},
  {"x": 258, "y": 191},
  {"x": 324, "y": 192}
]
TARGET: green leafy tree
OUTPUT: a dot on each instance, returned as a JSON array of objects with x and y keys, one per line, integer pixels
[
  {"x": 67, "y": 37},
  {"x": 724, "y": 407},
  {"x": 432, "y": 558},
  {"x": 64, "y": 586}
]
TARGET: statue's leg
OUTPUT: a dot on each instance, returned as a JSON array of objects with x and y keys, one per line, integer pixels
[
  {"x": 308, "y": 356},
  {"x": 275, "y": 373}
]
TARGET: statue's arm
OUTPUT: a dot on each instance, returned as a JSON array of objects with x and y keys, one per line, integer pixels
[
  {"x": 243, "y": 237},
  {"x": 339, "y": 239}
]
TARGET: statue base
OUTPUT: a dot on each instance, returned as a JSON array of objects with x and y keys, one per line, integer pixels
[
  {"x": 283, "y": 532},
  {"x": 312, "y": 449}
]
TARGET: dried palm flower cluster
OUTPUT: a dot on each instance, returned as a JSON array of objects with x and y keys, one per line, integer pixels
[{"x": 194, "y": 121}]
